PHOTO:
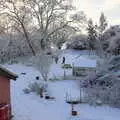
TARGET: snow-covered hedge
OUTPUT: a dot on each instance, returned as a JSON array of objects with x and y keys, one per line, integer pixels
[{"x": 78, "y": 42}]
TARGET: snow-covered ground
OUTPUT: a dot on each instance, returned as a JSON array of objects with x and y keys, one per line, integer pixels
[{"x": 32, "y": 107}]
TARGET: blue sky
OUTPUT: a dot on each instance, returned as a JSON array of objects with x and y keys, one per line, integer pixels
[{"x": 93, "y": 8}]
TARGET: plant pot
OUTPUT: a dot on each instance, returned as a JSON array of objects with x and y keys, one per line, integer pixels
[
  {"x": 47, "y": 97},
  {"x": 37, "y": 78},
  {"x": 74, "y": 113}
]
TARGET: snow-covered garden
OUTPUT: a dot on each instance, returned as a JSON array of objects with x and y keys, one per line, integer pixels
[
  {"x": 66, "y": 57},
  {"x": 32, "y": 107}
]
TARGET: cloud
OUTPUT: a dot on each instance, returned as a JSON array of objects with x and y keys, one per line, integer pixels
[
  {"x": 112, "y": 2},
  {"x": 93, "y": 9},
  {"x": 116, "y": 22},
  {"x": 113, "y": 14}
]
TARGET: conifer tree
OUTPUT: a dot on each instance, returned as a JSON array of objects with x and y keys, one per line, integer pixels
[{"x": 92, "y": 34}]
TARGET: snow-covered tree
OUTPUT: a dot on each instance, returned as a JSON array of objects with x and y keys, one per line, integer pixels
[
  {"x": 101, "y": 27},
  {"x": 78, "y": 42},
  {"x": 18, "y": 14},
  {"x": 14, "y": 46},
  {"x": 42, "y": 63},
  {"x": 102, "y": 23},
  {"x": 92, "y": 34},
  {"x": 79, "y": 21},
  {"x": 111, "y": 40},
  {"x": 46, "y": 14},
  {"x": 95, "y": 35}
]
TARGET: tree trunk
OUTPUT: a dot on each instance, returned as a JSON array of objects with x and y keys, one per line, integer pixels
[
  {"x": 42, "y": 43},
  {"x": 28, "y": 40}
]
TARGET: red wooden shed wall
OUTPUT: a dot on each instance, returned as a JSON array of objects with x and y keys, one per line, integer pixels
[{"x": 4, "y": 90}]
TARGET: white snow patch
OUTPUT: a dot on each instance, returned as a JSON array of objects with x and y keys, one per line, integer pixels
[{"x": 83, "y": 62}]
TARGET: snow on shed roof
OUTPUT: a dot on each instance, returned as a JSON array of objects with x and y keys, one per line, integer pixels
[
  {"x": 84, "y": 62},
  {"x": 5, "y": 72}
]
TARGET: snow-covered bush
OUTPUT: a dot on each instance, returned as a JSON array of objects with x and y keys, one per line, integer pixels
[
  {"x": 42, "y": 63},
  {"x": 104, "y": 84},
  {"x": 34, "y": 87},
  {"x": 38, "y": 88},
  {"x": 26, "y": 91},
  {"x": 78, "y": 42},
  {"x": 114, "y": 43},
  {"x": 111, "y": 39},
  {"x": 114, "y": 63},
  {"x": 100, "y": 88}
]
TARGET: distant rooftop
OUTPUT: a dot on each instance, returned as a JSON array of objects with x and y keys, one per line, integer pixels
[{"x": 84, "y": 62}]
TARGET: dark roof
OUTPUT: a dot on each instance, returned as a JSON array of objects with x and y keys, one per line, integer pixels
[{"x": 5, "y": 72}]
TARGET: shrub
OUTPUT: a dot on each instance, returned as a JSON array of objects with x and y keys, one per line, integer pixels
[
  {"x": 13, "y": 61},
  {"x": 37, "y": 87},
  {"x": 34, "y": 87},
  {"x": 26, "y": 91}
]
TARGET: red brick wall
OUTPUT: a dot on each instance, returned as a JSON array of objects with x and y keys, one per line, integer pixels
[{"x": 4, "y": 90}]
